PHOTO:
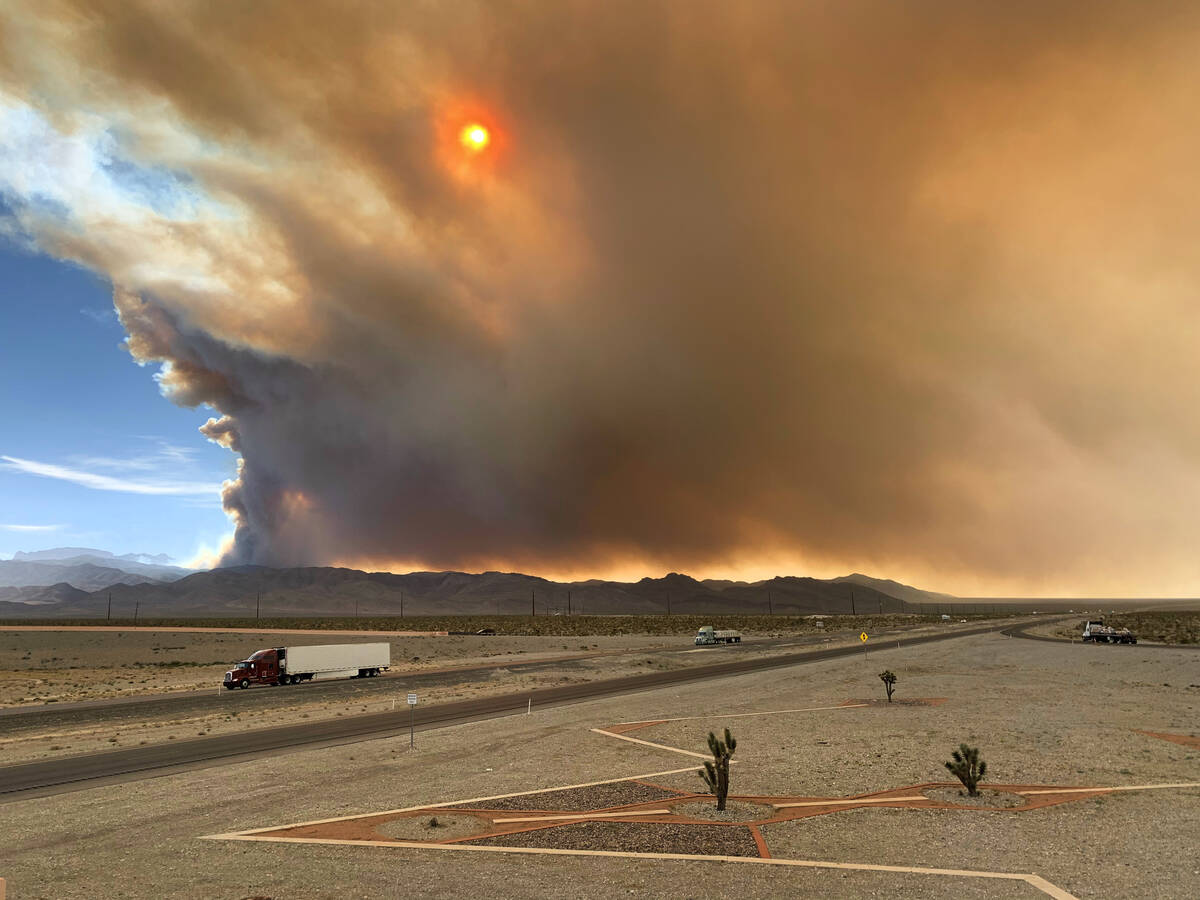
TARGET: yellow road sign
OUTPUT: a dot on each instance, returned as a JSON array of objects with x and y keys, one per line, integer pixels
[{"x": 863, "y": 636}]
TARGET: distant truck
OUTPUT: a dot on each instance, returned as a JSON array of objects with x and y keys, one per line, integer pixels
[
  {"x": 1097, "y": 632},
  {"x": 292, "y": 665},
  {"x": 708, "y": 635}
]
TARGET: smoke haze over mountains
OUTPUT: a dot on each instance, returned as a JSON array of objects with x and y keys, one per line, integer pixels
[{"x": 737, "y": 289}]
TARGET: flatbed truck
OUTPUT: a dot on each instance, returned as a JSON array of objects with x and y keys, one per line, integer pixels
[
  {"x": 708, "y": 635},
  {"x": 1097, "y": 632}
]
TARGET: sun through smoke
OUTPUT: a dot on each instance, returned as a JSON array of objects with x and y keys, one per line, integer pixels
[{"x": 475, "y": 138}]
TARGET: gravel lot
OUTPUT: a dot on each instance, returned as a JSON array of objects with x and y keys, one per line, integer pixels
[{"x": 1041, "y": 713}]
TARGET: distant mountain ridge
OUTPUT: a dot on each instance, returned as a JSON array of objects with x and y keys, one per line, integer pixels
[
  {"x": 896, "y": 589},
  {"x": 61, "y": 553},
  {"x": 240, "y": 591},
  {"x": 85, "y": 568}
]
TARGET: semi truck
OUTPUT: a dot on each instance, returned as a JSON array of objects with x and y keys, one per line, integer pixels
[
  {"x": 292, "y": 665},
  {"x": 708, "y": 635},
  {"x": 1097, "y": 632}
]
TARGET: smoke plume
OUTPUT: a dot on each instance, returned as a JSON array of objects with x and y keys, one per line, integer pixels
[{"x": 736, "y": 288}]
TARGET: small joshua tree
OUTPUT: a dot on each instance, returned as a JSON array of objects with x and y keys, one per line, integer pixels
[
  {"x": 968, "y": 768},
  {"x": 888, "y": 677},
  {"x": 716, "y": 773}
]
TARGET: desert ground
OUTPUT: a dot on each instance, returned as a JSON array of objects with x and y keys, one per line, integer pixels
[
  {"x": 1056, "y": 715},
  {"x": 39, "y": 669},
  {"x": 92, "y": 662}
]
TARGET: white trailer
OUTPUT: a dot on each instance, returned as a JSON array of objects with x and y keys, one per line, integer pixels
[
  {"x": 292, "y": 665},
  {"x": 336, "y": 660}
]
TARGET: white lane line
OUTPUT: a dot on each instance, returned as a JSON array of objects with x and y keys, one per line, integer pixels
[
  {"x": 607, "y": 815},
  {"x": 1034, "y": 880},
  {"x": 386, "y": 812},
  {"x": 773, "y": 712}
]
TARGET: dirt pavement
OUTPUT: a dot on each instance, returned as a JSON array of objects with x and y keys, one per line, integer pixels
[{"x": 1031, "y": 707}]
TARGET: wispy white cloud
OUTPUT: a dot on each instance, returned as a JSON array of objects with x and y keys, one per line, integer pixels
[
  {"x": 25, "y": 528},
  {"x": 167, "y": 455},
  {"x": 99, "y": 482},
  {"x": 175, "y": 453}
]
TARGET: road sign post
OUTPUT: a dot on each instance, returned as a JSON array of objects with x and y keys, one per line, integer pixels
[
  {"x": 412, "y": 708},
  {"x": 863, "y": 637}
]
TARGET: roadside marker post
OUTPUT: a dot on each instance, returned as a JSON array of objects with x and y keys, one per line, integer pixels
[
  {"x": 863, "y": 637},
  {"x": 412, "y": 707}
]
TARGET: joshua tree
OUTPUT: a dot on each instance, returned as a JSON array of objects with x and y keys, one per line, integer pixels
[
  {"x": 888, "y": 677},
  {"x": 968, "y": 768},
  {"x": 716, "y": 773}
]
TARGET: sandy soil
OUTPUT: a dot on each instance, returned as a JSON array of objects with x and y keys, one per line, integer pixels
[
  {"x": 38, "y": 666},
  {"x": 439, "y": 827},
  {"x": 41, "y": 666},
  {"x": 1041, "y": 713},
  {"x": 31, "y": 667}
]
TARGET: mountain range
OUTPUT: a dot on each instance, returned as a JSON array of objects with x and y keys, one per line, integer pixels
[
  {"x": 243, "y": 591},
  {"x": 86, "y": 568}
]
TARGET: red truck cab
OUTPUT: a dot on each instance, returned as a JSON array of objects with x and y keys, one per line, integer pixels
[{"x": 262, "y": 667}]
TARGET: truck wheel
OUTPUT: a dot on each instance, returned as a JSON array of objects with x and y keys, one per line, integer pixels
[
  {"x": 245, "y": 683},
  {"x": 295, "y": 679}
]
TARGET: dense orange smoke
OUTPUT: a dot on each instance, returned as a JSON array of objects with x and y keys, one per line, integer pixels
[{"x": 731, "y": 288}]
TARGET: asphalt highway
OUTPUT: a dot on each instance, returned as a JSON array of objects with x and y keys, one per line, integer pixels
[
  {"x": 92, "y": 770},
  {"x": 183, "y": 702}
]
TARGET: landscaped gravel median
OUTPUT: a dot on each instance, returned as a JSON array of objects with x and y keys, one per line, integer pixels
[
  {"x": 636, "y": 837},
  {"x": 600, "y": 796}
]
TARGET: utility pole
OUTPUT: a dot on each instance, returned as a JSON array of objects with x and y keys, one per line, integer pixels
[
  {"x": 402, "y": 604},
  {"x": 136, "y": 604},
  {"x": 852, "y": 612},
  {"x": 770, "y": 605},
  {"x": 568, "y": 603},
  {"x": 356, "y": 607},
  {"x": 668, "y": 603},
  {"x": 257, "y": 604},
  {"x": 881, "y": 606},
  {"x": 532, "y": 602},
  {"x": 109, "y": 606}
]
